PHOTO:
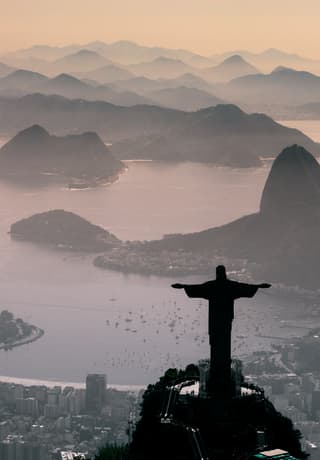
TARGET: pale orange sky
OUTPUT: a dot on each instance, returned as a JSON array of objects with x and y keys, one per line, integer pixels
[{"x": 204, "y": 26}]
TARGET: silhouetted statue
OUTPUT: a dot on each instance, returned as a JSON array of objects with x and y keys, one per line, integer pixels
[{"x": 221, "y": 294}]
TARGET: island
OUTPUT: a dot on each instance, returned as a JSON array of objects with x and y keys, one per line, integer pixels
[
  {"x": 80, "y": 161},
  {"x": 15, "y": 332},
  {"x": 61, "y": 229}
]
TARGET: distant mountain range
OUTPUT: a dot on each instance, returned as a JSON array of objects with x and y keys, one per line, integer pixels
[
  {"x": 127, "y": 52},
  {"x": 81, "y": 61},
  {"x": 123, "y": 52},
  {"x": 125, "y": 73},
  {"x": 106, "y": 74},
  {"x": 22, "y": 82},
  {"x": 161, "y": 67},
  {"x": 184, "y": 98},
  {"x": 271, "y": 58},
  {"x": 144, "y": 86},
  {"x": 283, "y": 86},
  {"x": 232, "y": 67},
  {"x": 223, "y": 134},
  {"x": 278, "y": 244},
  {"x": 169, "y": 93},
  {"x": 5, "y": 69},
  {"x": 34, "y": 152}
]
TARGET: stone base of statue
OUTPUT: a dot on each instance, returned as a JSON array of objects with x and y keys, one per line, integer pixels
[{"x": 226, "y": 384}]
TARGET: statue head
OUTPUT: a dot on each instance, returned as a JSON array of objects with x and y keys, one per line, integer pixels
[{"x": 221, "y": 273}]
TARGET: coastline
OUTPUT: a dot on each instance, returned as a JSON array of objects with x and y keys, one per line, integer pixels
[
  {"x": 77, "y": 385},
  {"x": 37, "y": 333}
]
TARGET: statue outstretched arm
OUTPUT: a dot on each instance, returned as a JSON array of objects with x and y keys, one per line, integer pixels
[
  {"x": 247, "y": 290},
  {"x": 194, "y": 290},
  {"x": 178, "y": 286}
]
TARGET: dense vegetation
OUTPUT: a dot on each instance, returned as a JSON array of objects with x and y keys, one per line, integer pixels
[
  {"x": 228, "y": 428},
  {"x": 12, "y": 329}
]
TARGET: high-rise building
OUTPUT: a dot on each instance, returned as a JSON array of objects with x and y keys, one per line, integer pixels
[
  {"x": 27, "y": 406},
  {"x": 96, "y": 385}
]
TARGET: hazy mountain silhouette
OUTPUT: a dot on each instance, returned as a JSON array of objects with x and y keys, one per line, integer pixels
[
  {"x": 20, "y": 82},
  {"x": 123, "y": 51},
  {"x": 64, "y": 230},
  {"x": 184, "y": 98},
  {"x": 281, "y": 241},
  {"x": 106, "y": 74},
  {"x": 34, "y": 151},
  {"x": 161, "y": 67},
  {"x": 5, "y": 69},
  {"x": 82, "y": 61},
  {"x": 271, "y": 58},
  {"x": 46, "y": 52},
  {"x": 23, "y": 82},
  {"x": 232, "y": 67},
  {"x": 223, "y": 134},
  {"x": 143, "y": 85},
  {"x": 283, "y": 86},
  {"x": 188, "y": 79},
  {"x": 128, "y": 52}
]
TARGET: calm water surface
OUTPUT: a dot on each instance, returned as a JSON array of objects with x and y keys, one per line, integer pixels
[{"x": 130, "y": 327}]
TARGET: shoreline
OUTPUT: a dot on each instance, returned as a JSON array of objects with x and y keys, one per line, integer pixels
[
  {"x": 78, "y": 385},
  {"x": 37, "y": 333}
]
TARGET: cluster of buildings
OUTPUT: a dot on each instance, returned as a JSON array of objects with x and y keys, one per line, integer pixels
[
  {"x": 295, "y": 392},
  {"x": 42, "y": 423},
  {"x": 136, "y": 258}
]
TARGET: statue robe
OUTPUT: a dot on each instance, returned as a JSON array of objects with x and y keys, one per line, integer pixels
[{"x": 221, "y": 295}]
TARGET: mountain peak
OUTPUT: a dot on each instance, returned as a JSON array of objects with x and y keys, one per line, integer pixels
[
  {"x": 225, "y": 111},
  {"x": 293, "y": 182},
  {"x": 85, "y": 53},
  {"x": 282, "y": 68},
  {"x": 34, "y": 131},
  {"x": 65, "y": 77},
  {"x": 23, "y": 74},
  {"x": 166, "y": 60},
  {"x": 234, "y": 59}
]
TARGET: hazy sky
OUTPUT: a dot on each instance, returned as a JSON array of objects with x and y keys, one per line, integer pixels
[{"x": 205, "y": 26}]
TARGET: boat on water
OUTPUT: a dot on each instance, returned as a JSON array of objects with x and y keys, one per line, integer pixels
[{"x": 78, "y": 186}]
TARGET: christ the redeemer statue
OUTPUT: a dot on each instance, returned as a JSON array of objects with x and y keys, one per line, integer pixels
[{"x": 221, "y": 294}]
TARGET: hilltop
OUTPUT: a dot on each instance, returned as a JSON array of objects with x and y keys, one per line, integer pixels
[
  {"x": 232, "y": 67},
  {"x": 63, "y": 230},
  {"x": 34, "y": 152},
  {"x": 224, "y": 135}
]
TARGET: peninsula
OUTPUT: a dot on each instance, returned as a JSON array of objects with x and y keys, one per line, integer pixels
[
  {"x": 279, "y": 242},
  {"x": 82, "y": 158},
  {"x": 14, "y": 332}
]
